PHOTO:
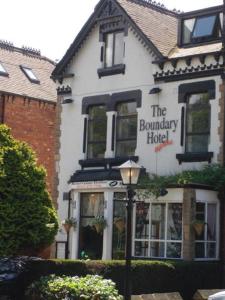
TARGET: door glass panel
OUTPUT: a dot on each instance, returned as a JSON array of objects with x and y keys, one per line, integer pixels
[{"x": 90, "y": 241}]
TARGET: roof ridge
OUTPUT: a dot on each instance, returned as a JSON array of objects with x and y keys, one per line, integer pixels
[
  {"x": 157, "y": 6},
  {"x": 28, "y": 51}
]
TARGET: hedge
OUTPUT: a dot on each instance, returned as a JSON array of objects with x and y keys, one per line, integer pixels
[{"x": 147, "y": 276}]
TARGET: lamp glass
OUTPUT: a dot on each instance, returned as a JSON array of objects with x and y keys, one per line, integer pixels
[{"x": 130, "y": 172}]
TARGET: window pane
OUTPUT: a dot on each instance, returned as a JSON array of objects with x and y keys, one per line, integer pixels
[
  {"x": 142, "y": 221},
  {"x": 158, "y": 221},
  {"x": 157, "y": 249},
  {"x": 97, "y": 130},
  {"x": 187, "y": 30},
  {"x": 211, "y": 250},
  {"x": 125, "y": 148},
  {"x": 204, "y": 26},
  {"x": 30, "y": 73},
  {"x": 199, "y": 250},
  {"x": 174, "y": 222},
  {"x": 200, "y": 215},
  {"x": 127, "y": 128},
  {"x": 92, "y": 204},
  {"x": 96, "y": 150},
  {"x": 198, "y": 123},
  {"x": 98, "y": 111},
  {"x": 197, "y": 143},
  {"x": 109, "y": 50},
  {"x": 127, "y": 108},
  {"x": 211, "y": 222},
  {"x": 173, "y": 250},
  {"x": 119, "y": 48},
  {"x": 141, "y": 249},
  {"x": 119, "y": 225},
  {"x": 2, "y": 70}
]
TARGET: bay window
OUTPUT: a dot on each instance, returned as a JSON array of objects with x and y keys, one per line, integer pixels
[
  {"x": 126, "y": 129},
  {"x": 97, "y": 127},
  {"x": 158, "y": 230}
]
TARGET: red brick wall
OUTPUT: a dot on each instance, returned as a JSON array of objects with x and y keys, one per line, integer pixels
[{"x": 34, "y": 122}]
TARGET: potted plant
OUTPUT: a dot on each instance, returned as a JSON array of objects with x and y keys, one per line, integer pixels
[
  {"x": 99, "y": 223},
  {"x": 68, "y": 223},
  {"x": 198, "y": 226},
  {"x": 120, "y": 224}
]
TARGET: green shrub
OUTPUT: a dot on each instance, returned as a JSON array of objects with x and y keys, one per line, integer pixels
[
  {"x": 28, "y": 220},
  {"x": 147, "y": 276},
  {"x": 74, "y": 288}
]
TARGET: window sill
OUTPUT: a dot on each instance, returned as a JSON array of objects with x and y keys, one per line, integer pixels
[
  {"x": 195, "y": 157},
  {"x": 104, "y": 162},
  {"x": 117, "y": 69}
]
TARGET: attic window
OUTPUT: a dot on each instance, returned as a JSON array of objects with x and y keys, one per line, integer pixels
[
  {"x": 30, "y": 74},
  {"x": 201, "y": 29},
  {"x": 3, "y": 71}
]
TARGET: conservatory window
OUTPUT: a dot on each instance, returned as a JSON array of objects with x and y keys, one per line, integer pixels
[
  {"x": 158, "y": 230},
  {"x": 206, "y": 242}
]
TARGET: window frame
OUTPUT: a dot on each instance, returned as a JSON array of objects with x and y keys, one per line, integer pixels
[
  {"x": 205, "y": 241},
  {"x": 150, "y": 240},
  {"x": 114, "y": 33},
  {"x": 24, "y": 68},
  {"x": 187, "y": 134},
  {"x": 204, "y": 39},
  {"x": 124, "y": 117},
  {"x": 92, "y": 142},
  {"x": 3, "y": 72}
]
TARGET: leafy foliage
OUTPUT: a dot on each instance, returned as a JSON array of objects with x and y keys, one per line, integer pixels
[
  {"x": 88, "y": 287},
  {"x": 27, "y": 217},
  {"x": 212, "y": 175},
  {"x": 148, "y": 276}
]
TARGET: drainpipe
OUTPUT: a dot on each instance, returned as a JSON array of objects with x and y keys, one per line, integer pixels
[{"x": 222, "y": 204}]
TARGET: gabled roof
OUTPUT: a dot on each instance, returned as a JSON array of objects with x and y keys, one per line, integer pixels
[
  {"x": 156, "y": 25},
  {"x": 17, "y": 83}
]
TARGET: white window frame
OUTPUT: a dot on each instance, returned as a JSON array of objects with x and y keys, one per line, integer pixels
[
  {"x": 217, "y": 241},
  {"x": 149, "y": 240}
]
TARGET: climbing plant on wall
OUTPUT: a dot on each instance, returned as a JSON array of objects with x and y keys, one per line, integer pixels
[
  {"x": 28, "y": 219},
  {"x": 211, "y": 175}
]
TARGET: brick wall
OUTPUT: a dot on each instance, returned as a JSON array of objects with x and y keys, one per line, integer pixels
[{"x": 34, "y": 122}]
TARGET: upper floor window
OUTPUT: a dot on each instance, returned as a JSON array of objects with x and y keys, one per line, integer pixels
[
  {"x": 97, "y": 127},
  {"x": 114, "y": 48},
  {"x": 30, "y": 74},
  {"x": 202, "y": 29},
  {"x": 198, "y": 123},
  {"x": 2, "y": 70},
  {"x": 126, "y": 129}
]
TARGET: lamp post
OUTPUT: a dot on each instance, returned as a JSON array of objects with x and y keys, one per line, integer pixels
[{"x": 129, "y": 172}]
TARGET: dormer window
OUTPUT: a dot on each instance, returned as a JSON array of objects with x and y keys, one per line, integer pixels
[
  {"x": 30, "y": 74},
  {"x": 3, "y": 71},
  {"x": 201, "y": 29}
]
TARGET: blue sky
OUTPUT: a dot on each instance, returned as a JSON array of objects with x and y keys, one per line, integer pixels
[{"x": 51, "y": 25}]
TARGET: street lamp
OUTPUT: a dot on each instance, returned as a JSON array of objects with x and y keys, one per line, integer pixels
[{"x": 129, "y": 172}]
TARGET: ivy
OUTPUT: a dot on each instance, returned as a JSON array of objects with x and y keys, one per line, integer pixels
[
  {"x": 28, "y": 219},
  {"x": 211, "y": 175}
]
